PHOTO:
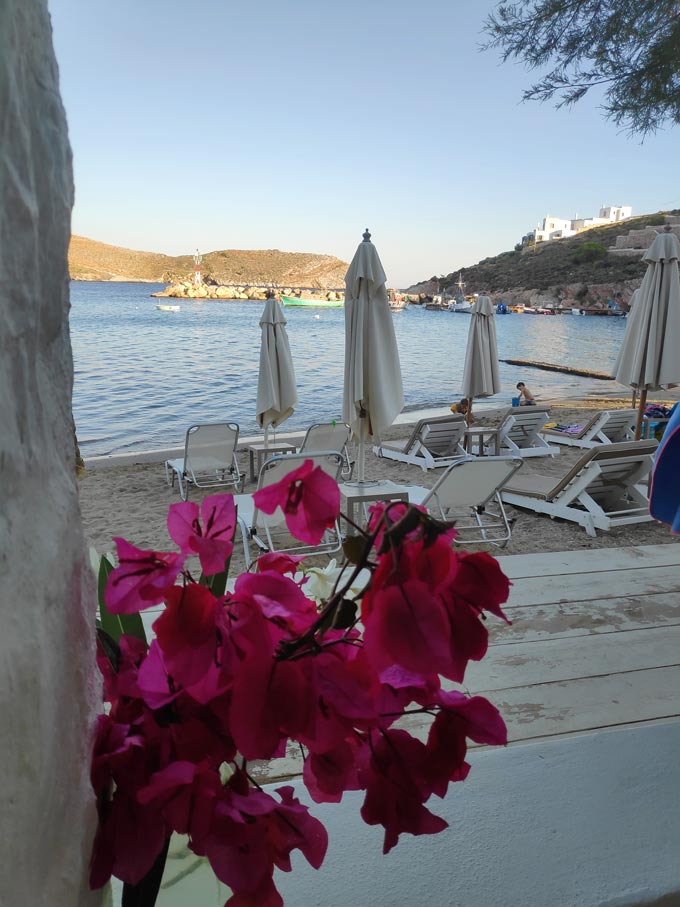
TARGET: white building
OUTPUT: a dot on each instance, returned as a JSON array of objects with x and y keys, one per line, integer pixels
[
  {"x": 553, "y": 228},
  {"x": 560, "y": 227}
]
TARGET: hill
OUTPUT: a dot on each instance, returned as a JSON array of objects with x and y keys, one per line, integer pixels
[
  {"x": 562, "y": 270},
  {"x": 91, "y": 260}
]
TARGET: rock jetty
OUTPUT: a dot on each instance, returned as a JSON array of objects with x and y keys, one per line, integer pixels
[{"x": 188, "y": 290}]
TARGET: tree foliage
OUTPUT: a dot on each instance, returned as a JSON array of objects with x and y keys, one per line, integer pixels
[{"x": 630, "y": 48}]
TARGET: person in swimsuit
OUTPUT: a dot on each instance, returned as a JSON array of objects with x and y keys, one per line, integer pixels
[{"x": 526, "y": 398}]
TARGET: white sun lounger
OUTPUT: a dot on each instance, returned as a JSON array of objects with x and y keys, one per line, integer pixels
[
  {"x": 603, "y": 489},
  {"x": 608, "y": 427},
  {"x": 258, "y": 527},
  {"x": 329, "y": 436},
  {"x": 209, "y": 459},
  {"x": 433, "y": 443},
  {"x": 469, "y": 494},
  {"x": 519, "y": 434}
]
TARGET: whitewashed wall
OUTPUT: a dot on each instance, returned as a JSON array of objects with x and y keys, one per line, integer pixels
[{"x": 47, "y": 682}]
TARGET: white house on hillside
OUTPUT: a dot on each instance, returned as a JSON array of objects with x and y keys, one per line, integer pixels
[{"x": 559, "y": 227}]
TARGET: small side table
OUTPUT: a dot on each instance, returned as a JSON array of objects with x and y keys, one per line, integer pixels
[
  {"x": 478, "y": 441},
  {"x": 356, "y": 496},
  {"x": 261, "y": 453}
]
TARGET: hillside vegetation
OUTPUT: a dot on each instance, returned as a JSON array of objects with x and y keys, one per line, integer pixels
[
  {"x": 91, "y": 260},
  {"x": 553, "y": 264}
]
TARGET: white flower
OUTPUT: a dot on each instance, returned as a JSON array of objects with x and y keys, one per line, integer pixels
[{"x": 322, "y": 580}]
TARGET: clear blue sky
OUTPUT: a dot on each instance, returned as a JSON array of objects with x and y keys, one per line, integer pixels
[{"x": 294, "y": 125}]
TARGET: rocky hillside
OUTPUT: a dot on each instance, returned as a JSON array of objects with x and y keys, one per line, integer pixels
[
  {"x": 91, "y": 260},
  {"x": 580, "y": 269}
]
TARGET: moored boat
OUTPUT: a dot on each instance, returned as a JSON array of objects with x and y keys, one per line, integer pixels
[
  {"x": 312, "y": 303},
  {"x": 462, "y": 306},
  {"x": 168, "y": 308}
]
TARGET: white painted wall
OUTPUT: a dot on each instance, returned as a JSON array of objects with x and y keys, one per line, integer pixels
[
  {"x": 585, "y": 821},
  {"x": 47, "y": 676}
]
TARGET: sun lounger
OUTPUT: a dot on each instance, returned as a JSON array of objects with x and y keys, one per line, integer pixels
[
  {"x": 519, "y": 434},
  {"x": 608, "y": 427},
  {"x": 209, "y": 459},
  {"x": 329, "y": 436},
  {"x": 433, "y": 443},
  {"x": 469, "y": 494},
  {"x": 261, "y": 528},
  {"x": 603, "y": 489}
]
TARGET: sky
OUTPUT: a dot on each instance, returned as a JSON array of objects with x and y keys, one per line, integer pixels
[{"x": 295, "y": 125}]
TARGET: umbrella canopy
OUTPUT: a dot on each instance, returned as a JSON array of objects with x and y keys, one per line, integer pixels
[
  {"x": 276, "y": 392},
  {"x": 480, "y": 372},
  {"x": 373, "y": 392},
  {"x": 648, "y": 359}
]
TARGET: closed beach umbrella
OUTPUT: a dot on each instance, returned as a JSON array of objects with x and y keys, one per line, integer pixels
[
  {"x": 373, "y": 393},
  {"x": 276, "y": 392},
  {"x": 480, "y": 372},
  {"x": 648, "y": 359}
]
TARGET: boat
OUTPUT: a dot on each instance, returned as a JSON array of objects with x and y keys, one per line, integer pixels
[
  {"x": 316, "y": 303},
  {"x": 463, "y": 305},
  {"x": 168, "y": 308},
  {"x": 398, "y": 305}
]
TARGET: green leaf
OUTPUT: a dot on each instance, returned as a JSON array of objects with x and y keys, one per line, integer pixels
[
  {"x": 354, "y": 548},
  {"x": 110, "y": 647},
  {"x": 346, "y": 614},
  {"x": 115, "y": 625}
]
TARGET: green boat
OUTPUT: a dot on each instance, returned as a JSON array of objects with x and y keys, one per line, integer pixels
[{"x": 316, "y": 303}]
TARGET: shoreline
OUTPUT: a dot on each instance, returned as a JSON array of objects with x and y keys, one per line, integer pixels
[{"x": 129, "y": 497}]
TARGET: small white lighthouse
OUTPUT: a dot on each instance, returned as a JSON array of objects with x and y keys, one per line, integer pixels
[{"x": 197, "y": 269}]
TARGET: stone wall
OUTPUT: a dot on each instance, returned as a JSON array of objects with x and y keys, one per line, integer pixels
[{"x": 48, "y": 689}]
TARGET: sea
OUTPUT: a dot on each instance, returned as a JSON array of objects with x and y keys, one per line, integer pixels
[{"x": 143, "y": 376}]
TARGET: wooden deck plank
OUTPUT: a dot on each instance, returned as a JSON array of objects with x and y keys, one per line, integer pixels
[
  {"x": 606, "y": 615},
  {"x": 555, "y": 660},
  {"x": 543, "y": 590},
  {"x": 590, "y": 560}
]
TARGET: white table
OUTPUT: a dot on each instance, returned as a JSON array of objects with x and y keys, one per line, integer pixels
[
  {"x": 356, "y": 495},
  {"x": 259, "y": 451}
]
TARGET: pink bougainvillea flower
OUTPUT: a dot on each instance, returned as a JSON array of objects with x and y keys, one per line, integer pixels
[
  {"x": 309, "y": 498},
  {"x": 279, "y": 598},
  {"x": 141, "y": 578},
  {"x": 329, "y": 774},
  {"x": 186, "y": 795},
  {"x": 479, "y": 580},
  {"x": 397, "y": 783},
  {"x": 188, "y": 632},
  {"x": 294, "y": 828},
  {"x": 460, "y": 717},
  {"x": 408, "y": 626},
  {"x": 279, "y": 562},
  {"x": 211, "y": 536}
]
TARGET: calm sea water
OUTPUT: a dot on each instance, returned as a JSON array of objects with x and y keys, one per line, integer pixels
[{"x": 143, "y": 376}]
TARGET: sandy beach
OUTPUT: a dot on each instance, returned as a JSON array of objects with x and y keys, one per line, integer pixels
[{"x": 132, "y": 500}]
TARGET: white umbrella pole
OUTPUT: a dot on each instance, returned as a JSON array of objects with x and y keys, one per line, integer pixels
[
  {"x": 266, "y": 435},
  {"x": 361, "y": 455}
]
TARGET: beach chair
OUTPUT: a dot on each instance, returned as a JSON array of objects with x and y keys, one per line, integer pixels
[
  {"x": 264, "y": 529},
  {"x": 603, "y": 489},
  {"x": 469, "y": 494},
  {"x": 608, "y": 427},
  {"x": 519, "y": 434},
  {"x": 433, "y": 443},
  {"x": 329, "y": 436},
  {"x": 209, "y": 459}
]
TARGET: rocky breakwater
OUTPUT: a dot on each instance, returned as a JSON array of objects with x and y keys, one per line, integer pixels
[{"x": 189, "y": 290}]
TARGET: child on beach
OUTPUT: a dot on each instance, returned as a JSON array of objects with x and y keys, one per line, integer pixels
[
  {"x": 461, "y": 407},
  {"x": 525, "y": 395}
]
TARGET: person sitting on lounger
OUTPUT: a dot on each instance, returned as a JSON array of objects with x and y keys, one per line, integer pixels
[{"x": 526, "y": 398}]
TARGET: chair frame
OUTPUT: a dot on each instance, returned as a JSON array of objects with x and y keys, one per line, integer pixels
[
  {"x": 214, "y": 477},
  {"x": 514, "y": 424},
  {"x": 598, "y": 429},
  {"x": 489, "y": 523},
  {"x": 348, "y": 467},
  {"x": 255, "y": 525},
  {"x": 594, "y": 491},
  {"x": 415, "y": 450}
]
